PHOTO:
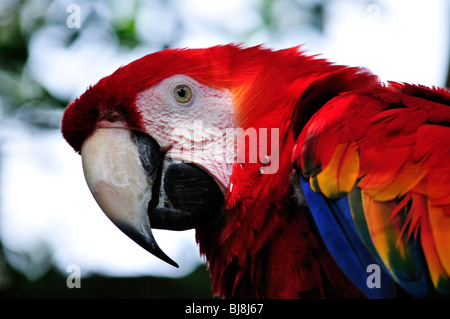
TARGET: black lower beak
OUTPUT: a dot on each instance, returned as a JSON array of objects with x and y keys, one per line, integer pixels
[
  {"x": 184, "y": 196},
  {"x": 188, "y": 198}
]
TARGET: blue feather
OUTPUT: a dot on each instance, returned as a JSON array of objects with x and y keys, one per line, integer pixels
[{"x": 335, "y": 224}]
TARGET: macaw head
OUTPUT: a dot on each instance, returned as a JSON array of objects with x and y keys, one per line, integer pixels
[{"x": 160, "y": 137}]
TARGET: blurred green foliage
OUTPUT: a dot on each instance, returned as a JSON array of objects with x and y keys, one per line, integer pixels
[
  {"x": 53, "y": 285},
  {"x": 23, "y": 98},
  {"x": 20, "y": 94}
]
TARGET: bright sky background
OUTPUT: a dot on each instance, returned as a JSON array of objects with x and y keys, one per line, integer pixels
[{"x": 46, "y": 202}]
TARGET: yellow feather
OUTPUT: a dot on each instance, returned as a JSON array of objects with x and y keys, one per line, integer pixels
[
  {"x": 408, "y": 176},
  {"x": 440, "y": 228},
  {"x": 339, "y": 176}
]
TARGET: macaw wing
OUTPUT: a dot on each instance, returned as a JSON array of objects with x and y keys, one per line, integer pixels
[
  {"x": 375, "y": 167},
  {"x": 334, "y": 222}
]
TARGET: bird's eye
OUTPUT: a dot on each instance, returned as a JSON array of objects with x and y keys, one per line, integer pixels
[{"x": 182, "y": 93}]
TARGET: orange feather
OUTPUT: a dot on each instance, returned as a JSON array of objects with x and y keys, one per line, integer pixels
[{"x": 401, "y": 134}]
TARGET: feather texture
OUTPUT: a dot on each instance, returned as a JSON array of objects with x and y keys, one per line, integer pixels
[
  {"x": 373, "y": 159},
  {"x": 334, "y": 221},
  {"x": 263, "y": 245},
  {"x": 396, "y": 181}
]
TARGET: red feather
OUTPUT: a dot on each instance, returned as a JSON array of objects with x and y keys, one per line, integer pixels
[
  {"x": 402, "y": 133},
  {"x": 265, "y": 245}
]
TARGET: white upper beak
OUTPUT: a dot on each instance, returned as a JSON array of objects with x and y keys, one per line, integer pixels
[{"x": 120, "y": 185}]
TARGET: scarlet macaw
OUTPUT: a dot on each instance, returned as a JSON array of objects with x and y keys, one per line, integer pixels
[{"x": 356, "y": 177}]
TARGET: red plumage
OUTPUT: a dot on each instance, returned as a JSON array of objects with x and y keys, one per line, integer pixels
[
  {"x": 265, "y": 243},
  {"x": 401, "y": 137}
]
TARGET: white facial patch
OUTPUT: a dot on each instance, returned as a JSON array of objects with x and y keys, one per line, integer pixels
[{"x": 199, "y": 131}]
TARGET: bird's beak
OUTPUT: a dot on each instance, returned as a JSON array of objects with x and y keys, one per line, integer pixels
[
  {"x": 120, "y": 185},
  {"x": 135, "y": 186}
]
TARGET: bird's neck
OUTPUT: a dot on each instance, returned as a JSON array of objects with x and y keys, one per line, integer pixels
[{"x": 265, "y": 244}]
